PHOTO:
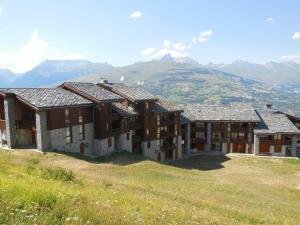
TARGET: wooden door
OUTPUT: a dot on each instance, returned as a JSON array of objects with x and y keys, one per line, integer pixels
[
  {"x": 264, "y": 147},
  {"x": 81, "y": 148},
  {"x": 158, "y": 157},
  {"x": 241, "y": 148},
  {"x": 33, "y": 137}
]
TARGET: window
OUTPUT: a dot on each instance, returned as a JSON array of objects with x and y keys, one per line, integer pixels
[
  {"x": 147, "y": 132},
  {"x": 128, "y": 137},
  {"x": 67, "y": 117},
  {"x": 68, "y": 126},
  {"x": 109, "y": 142},
  {"x": 147, "y": 105},
  {"x": 81, "y": 126},
  {"x": 148, "y": 144},
  {"x": 69, "y": 135},
  {"x": 199, "y": 134},
  {"x": 241, "y": 134},
  {"x": 277, "y": 137},
  {"x": 199, "y": 124},
  {"x": 107, "y": 126},
  {"x": 234, "y": 135}
]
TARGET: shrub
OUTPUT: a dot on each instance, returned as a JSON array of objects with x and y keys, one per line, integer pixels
[{"x": 58, "y": 173}]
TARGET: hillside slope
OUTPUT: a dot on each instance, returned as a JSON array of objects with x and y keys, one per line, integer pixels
[
  {"x": 183, "y": 83},
  {"x": 58, "y": 189}
]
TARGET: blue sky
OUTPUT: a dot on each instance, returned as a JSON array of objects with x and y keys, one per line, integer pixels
[{"x": 123, "y": 32}]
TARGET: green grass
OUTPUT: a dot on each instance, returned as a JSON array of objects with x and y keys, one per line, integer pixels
[{"x": 128, "y": 189}]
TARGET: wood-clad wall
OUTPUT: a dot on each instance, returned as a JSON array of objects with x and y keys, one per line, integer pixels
[
  {"x": 103, "y": 120},
  {"x": 24, "y": 112},
  {"x": 2, "y": 114},
  {"x": 56, "y": 117}
]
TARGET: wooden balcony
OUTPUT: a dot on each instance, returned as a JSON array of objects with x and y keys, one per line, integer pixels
[
  {"x": 167, "y": 121},
  {"x": 136, "y": 138},
  {"x": 167, "y": 147},
  {"x": 239, "y": 129},
  {"x": 199, "y": 129},
  {"x": 116, "y": 131},
  {"x": 25, "y": 124},
  {"x": 218, "y": 128},
  {"x": 167, "y": 134},
  {"x": 239, "y": 140},
  {"x": 198, "y": 140},
  {"x": 2, "y": 124},
  {"x": 136, "y": 125}
]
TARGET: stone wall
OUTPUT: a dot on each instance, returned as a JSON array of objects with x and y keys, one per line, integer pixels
[
  {"x": 151, "y": 152},
  {"x": 101, "y": 147},
  {"x": 2, "y": 136},
  {"x": 121, "y": 142},
  {"x": 23, "y": 137},
  {"x": 58, "y": 139}
]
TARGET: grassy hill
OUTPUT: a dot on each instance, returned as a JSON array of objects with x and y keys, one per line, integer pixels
[{"x": 128, "y": 189}]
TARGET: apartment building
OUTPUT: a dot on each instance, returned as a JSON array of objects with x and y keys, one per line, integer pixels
[
  {"x": 157, "y": 133},
  {"x": 99, "y": 119}
]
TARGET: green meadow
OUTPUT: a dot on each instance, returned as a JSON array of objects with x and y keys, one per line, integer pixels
[{"x": 58, "y": 188}]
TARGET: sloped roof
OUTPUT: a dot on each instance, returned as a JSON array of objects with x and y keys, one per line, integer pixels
[
  {"x": 164, "y": 105},
  {"x": 93, "y": 91},
  {"x": 123, "y": 110},
  {"x": 233, "y": 112},
  {"x": 275, "y": 122},
  {"x": 47, "y": 97},
  {"x": 128, "y": 92}
]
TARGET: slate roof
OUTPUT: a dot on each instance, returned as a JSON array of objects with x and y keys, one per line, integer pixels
[
  {"x": 233, "y": 112},
  {"x": 164, "y": 105},
  {"x": 128, "y": 92},
  {"x": 94, "y": 91},
  {"x": 47, "y": 97},
  {"x": 274, "y": 122},
  {"x": 123, "y": 110}
]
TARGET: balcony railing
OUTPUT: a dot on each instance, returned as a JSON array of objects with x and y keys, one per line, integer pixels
[
  {"x": 198, "y": 139},
  {"x": 168, "y": 146},
  {"x": 25, "y": 124},
  {"x": 116, "y": 130}
]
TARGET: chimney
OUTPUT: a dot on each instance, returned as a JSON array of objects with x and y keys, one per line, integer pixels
[
  {"x": 103, "y": 81},
  {"x": 269, "y": 106}
]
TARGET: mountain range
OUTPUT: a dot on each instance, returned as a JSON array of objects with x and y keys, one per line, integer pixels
[{"x": 180, "y": 79}]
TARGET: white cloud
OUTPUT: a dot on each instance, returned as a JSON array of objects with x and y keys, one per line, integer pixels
[
  {"x": 0, "y": 10},
  {"x": 296, "y": 36},
  {"x": 27, "y": 57},
  {"x": 136, "y": 14},
  {"x": 180, "y": 46},
  {"x": 269, "y": 19},
  {"x": 148, "y": 51},
  {"x": 292, "y": 57},
  {"x": 204, "y": 36},
  {"x": 167, "y": 43},
  {"x": 178, "y": 49},
  {"x": 31, "y": 54}
]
